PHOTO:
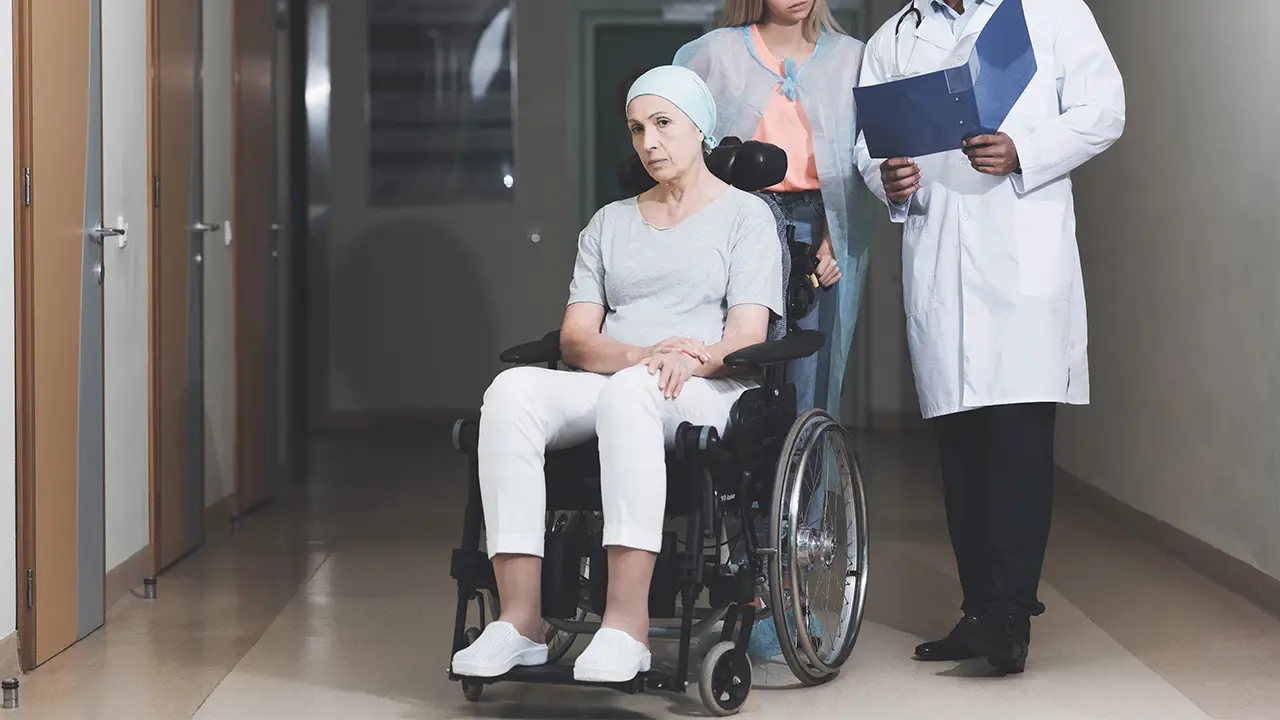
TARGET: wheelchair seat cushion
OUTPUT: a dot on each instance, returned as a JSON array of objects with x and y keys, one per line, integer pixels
[{"x": 573, "y": 479}]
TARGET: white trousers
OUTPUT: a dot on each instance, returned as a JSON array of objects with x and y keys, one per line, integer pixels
[{"x": 529, "y": 410}]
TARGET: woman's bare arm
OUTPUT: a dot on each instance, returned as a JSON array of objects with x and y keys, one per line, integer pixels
[
  {"x": 745, "y": 325},
  {"x": 583, "y": 346}
]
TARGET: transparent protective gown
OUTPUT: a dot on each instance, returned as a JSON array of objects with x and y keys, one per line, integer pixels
[{"x": 823, "y": 86}]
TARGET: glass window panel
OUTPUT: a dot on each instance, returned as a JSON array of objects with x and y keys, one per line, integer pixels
[{"x": 441, "y": 102}]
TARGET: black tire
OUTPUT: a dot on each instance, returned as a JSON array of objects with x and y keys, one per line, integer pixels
[
  {"x": 472, "y": 689},
  {"x": 813, "y": 658},
  {"x": 724, "y": 680}
]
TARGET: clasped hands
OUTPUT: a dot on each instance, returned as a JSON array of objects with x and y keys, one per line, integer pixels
[{"x": 674, "y": 361}]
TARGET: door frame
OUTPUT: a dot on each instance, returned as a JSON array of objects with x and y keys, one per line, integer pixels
[
  {"x": 24, "y": 321},
  {"x": 586, "y": 21},
  {"x": 153, "y": 274},
  {"x": 587, "y": 15}
]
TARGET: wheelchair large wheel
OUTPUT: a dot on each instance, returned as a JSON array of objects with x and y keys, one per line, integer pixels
[{"x": 818, "y": 530}]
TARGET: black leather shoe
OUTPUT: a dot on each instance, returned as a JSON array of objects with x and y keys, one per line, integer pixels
[
  {"x": 1003, "y": 639},
  {"x": 948, "y": 649}
]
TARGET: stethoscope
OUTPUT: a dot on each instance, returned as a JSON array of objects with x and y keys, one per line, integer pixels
[{"x": 897, "y": 38}]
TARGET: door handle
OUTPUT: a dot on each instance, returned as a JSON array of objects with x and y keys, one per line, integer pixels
[
  {"x": 207, "y": 227},
  {"x": 100, "y": 232}
]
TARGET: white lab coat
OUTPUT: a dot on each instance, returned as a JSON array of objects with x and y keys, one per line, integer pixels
[{"x": 992, "y": 285}]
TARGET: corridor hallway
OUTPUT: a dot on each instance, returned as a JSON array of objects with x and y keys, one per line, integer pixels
[{"x": 336, "y": 602}]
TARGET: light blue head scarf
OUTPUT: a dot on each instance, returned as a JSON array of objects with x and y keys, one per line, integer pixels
[{"x": 683, "y": 88}]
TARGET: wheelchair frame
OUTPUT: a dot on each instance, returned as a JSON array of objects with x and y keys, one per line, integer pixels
[{"x": 709, "y": 477}]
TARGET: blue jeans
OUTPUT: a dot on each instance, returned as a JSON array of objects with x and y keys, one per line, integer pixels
[{"x": 805, "y": 211}]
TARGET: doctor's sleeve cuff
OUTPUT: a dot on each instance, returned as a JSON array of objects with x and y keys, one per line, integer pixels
[
  {"x": 899, "y": 211},
  {"x": 1028, "y": 176}
]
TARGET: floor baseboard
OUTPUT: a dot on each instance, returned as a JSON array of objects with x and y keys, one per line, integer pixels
[
  {"x": 9, "y": 665},
  {"x": 126, "y": 576},
  {"x": 218, "y": 516},
  {"x": 1226, "y": 570}
]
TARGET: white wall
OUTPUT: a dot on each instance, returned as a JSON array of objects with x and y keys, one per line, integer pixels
[
  {"x": 219, "y": 299},
  {"x": 1178, "y": 235},
  {"x": 8, "y": 457},
  {"x": 125, "y": 195}
]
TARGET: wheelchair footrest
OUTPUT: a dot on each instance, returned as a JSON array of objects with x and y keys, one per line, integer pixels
[{"x": 563, "y": 675}]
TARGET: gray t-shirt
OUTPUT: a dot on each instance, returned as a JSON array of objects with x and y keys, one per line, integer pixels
[{"x": 680, "y": 281}]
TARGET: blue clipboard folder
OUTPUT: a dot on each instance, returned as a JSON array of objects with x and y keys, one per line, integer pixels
[{"x": 935, "y": 112}]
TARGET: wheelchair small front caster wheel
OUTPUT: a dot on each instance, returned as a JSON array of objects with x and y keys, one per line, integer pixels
[
  {"x": 725, "y": 679},
  {"x": 471, "y": 689}
]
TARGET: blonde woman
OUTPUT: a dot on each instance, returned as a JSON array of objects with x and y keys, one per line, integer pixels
[{"x": 783, "y": 72}]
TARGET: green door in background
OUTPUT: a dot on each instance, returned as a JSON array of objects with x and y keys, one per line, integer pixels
[{"x": 622, "y": 53}]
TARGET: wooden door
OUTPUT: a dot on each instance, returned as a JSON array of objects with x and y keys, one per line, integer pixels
[
  {"x": 58, "y": 141},
  {"x": 255, "y": 218},
  {"x": 176, "y": 280}
]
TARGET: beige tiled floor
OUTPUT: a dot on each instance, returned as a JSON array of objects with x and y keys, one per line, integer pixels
[{"x": 336, "y": 602}]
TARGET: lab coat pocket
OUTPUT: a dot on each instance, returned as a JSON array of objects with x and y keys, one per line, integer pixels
[
  {"x": 1043, "y": 263},
  {"x": 919, "y": 267}
]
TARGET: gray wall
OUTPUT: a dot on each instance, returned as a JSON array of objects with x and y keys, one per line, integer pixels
[
  {"x": 1178, "y": 235},
  {"x": 420, "y": 301},
  {"x": 893, "y": 392}
]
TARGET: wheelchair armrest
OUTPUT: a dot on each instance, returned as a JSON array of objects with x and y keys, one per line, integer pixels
[
  {"x": 796, "y": 345},
  {"x": 538, "y": 352}
]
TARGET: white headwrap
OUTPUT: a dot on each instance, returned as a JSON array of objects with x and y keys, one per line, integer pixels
[{"x": 683, "y": 88}]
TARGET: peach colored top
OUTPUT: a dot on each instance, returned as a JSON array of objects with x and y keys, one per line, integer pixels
[{"x": 784, "y": 124}]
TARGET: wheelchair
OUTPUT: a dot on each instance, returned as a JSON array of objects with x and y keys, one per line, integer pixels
[{"x": 756, "y": 478}]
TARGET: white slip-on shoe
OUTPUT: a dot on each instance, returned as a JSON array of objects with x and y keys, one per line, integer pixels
[
  {"x": 613, "y": 656},
  {"x": 498, "y": 649}
]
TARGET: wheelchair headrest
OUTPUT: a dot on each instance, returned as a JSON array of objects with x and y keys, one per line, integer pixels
[{"x": 749, "y": 166}]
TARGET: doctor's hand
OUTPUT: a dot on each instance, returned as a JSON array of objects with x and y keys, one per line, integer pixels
[
  {"x": 901, "y": 178},
  {"x": 992, "y": 154},
  {"x": 673, "y": 369}
]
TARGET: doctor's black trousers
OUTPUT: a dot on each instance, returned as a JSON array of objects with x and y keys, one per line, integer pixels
[{"x": 997, "y": 473}]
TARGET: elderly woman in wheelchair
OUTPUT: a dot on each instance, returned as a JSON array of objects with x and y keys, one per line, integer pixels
[{"x": 675, "y": 295}]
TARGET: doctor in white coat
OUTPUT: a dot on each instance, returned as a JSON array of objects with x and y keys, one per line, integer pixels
[{"x": 994, "y": 296}]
